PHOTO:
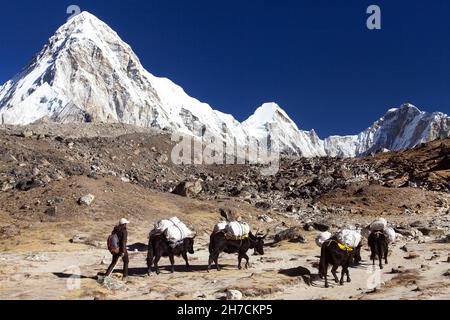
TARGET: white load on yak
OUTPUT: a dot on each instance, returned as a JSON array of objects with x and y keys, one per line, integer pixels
[
  {"x": 237, "y": 229},
  {"x": 173, "y": 229},
  {"x": 221, "y": 226},
  {"x": 163, "y": 225},
  {"x": 378, "y": 225},
  {"x": 381, "y": 225},
  {"x": 390, "y": 235},
  {"x": 349, "y": 238},
  {"x": 322, "y": 237}
]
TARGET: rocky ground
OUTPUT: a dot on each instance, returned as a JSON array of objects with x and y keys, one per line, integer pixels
[{"x": 63, "y": 187}]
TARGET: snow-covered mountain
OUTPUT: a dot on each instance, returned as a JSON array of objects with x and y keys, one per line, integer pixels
[
  {"x": 86, "y": 73},
  {"x": 402, "y": 128},
  {"x": 270, "y": 119}
]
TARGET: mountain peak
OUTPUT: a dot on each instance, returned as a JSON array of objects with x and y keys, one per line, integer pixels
[
  {"x": 267, "y": 113},
  {"x": 84, "y": 17},
  {"x": 406, "y": 107},
  {"x": 84, "y": 25}
]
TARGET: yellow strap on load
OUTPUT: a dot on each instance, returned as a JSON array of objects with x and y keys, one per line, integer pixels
[
  {"x": 345, "y": 248},
  {"x": 230, "y": 237}
]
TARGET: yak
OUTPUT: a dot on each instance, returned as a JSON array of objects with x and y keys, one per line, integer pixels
[
  {"x": 159, "y": 246},
  {"x": 332, "y": 254},
  {"x": 220, "y": 243},
  {"x": 379, "y": 247}
]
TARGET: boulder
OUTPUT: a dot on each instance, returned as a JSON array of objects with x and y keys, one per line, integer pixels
[
  {"x": 263, "y": 206},
  {"x": 125, "y": 180},
  {"x": 409, "y": 247},
  {"x": 26, "y": 185},
  {"x": 265, "y": 218},
  {"x": 162, "y": 158},
  {"x": 55, "y": 200},
  {"x": 408, "y": 231},
  {"x": 86, "y": 200},
  {"x": 293, "y": 234},
  {"x": 85, "y": 239},
  {"x": 27, "y": 134},
  {"x": 435, "y": 232},
  {"x": 321, "y": 226},
  {"x": 52, "y": 211},
  {"x": 281, "y": 184},
  {"x": 188, "y": 188},
  {"x": 311, "y": 226},
  {"x": 446, "y": 239},
  {"x": 111, "y": 283},
  {"x": 291, "y": 209},
  {"x": 412, "y": 256},
  {"x": 6, "y": 186},
  {"x": 418, "y": 224},
  {"x": 36, "y": 171},
  {"x": 228, "y": 214},
  {"x": 398, "y": 270},
  {"x": 234, "y": 295}
]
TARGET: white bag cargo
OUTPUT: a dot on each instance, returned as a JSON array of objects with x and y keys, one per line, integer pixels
[
  {"x": 178, "y": 232},
  {"x": 378, "y": 225},
  {"x": 351, "y": 238},
  {"x": 173, "y": 229},
  {"x": 163, "y": 225},
  {"x": 221, "y": 226},
  {"x": 390, "y": 234},
  {"x": 322, "y": 237},
  {"x": 160, "y": 227},
  {"x": 238, "y": 229}
]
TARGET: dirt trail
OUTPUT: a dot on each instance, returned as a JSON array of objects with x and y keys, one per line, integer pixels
[
  {"x": 42, "y": 178},
  {"x": 286, "y": 271}
]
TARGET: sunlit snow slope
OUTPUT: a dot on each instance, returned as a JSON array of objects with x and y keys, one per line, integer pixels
[{"x": 86, "y": 73}]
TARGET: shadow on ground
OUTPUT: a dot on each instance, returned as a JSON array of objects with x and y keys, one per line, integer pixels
[
  {"x": 302, "y": 272},
  {"x": 63, "y": 275}
]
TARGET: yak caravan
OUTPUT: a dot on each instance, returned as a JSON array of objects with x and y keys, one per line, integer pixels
[
  {"x": 294, "y": 182},
  {"x": 172, "y": 238}
]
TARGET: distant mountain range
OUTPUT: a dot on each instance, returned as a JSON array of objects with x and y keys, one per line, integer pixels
[{"x": 86, "y": 73}]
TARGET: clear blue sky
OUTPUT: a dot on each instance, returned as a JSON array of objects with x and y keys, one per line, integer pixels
[{"x": 315, "y": 58}]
